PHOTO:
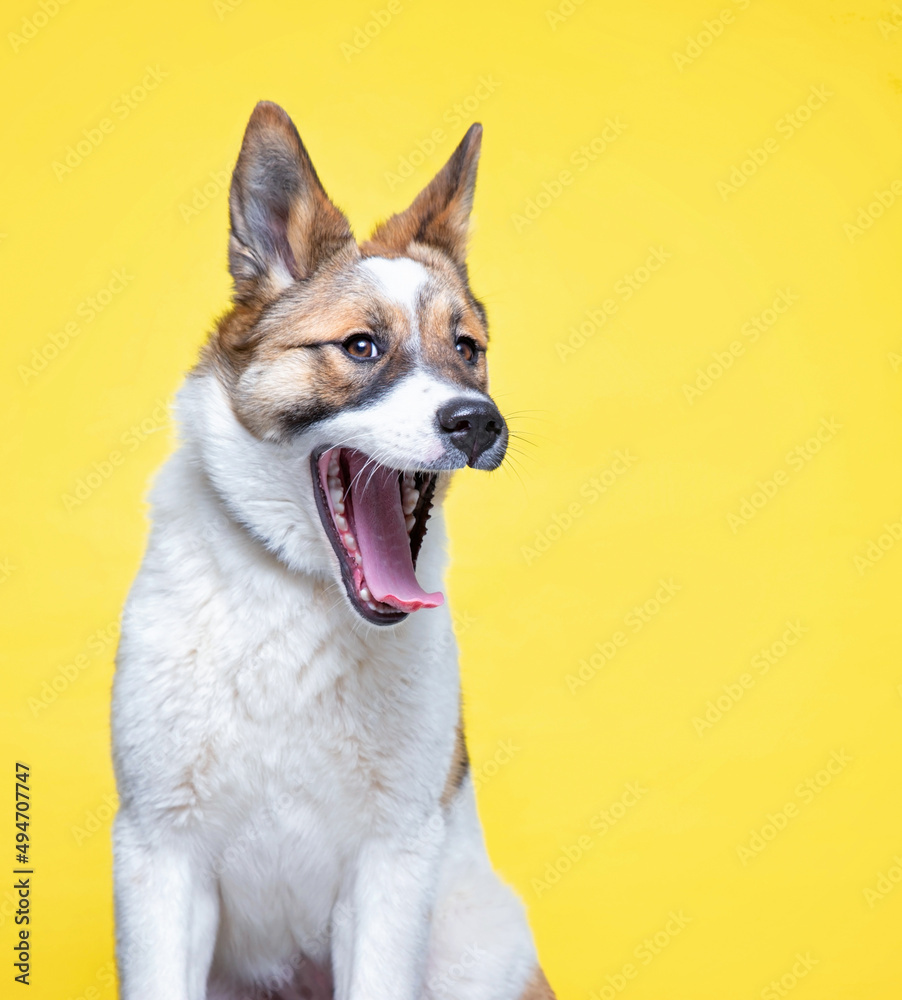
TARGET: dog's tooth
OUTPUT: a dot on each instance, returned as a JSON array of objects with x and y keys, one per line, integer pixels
[
  {"x": 341, "y": 523},
  {"x": 365, "y": 594},
  {"x": 339, "y": 507},
  {"x": 409, "y": 500},
  {"x": 358, "y": 558},
  {"x": 410, "y": 521},
  {"x": 350, "y": 541},
  {"x": 371, "y": 606},
  {"x": 336, "y": 494},
  {"x": 333, "y": 463}
]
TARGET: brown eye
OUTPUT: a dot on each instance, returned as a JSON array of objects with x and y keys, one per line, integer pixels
[
  {"x": 467, "y": 349},
  {"x": 361, "y": 346}
]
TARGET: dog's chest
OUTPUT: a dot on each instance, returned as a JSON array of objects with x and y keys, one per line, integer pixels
[
  {"x": 310, "y": 751},
  {"x": 350, "y": 730}
]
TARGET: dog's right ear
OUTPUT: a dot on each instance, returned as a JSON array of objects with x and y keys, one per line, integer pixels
[
  {"x": 440, "y": 213},
  {"x": 283, "y": 225}
]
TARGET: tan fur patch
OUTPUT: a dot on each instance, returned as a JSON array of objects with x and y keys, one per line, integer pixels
[
  {"x": 538, "y": 987},
  {"x": 460, "y": 764},
  {"x": 450, "y": 312}
]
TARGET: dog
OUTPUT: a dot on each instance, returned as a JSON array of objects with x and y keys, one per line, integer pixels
[{"x": 296, "y": 815}]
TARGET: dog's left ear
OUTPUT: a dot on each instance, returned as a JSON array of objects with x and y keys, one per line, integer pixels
[
  {"x": 440, "y": 213},
  {"x": 283, "y": 225}
]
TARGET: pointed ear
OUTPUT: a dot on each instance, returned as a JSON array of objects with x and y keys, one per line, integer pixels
[
  {"x": 283, "y": 225},
  {"x": 440, "y": 213}
]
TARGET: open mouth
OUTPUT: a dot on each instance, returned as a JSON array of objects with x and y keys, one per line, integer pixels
[{"x": 375, "y": 518}]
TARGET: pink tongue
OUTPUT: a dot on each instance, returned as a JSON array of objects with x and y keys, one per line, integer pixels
[{"x": 382, "y": 537}]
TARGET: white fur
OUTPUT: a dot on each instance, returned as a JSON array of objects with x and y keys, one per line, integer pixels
[
  {"x": 280, "y": 762},
  {"x": 399, "y": 279}
]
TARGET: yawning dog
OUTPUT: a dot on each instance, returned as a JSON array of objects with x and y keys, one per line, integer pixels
[{"x": 297, "y": 818}]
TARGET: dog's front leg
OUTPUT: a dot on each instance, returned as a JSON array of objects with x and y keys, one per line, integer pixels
[
  {"x": 166, "y": 917},
  {"x": 381, "y": 928}
]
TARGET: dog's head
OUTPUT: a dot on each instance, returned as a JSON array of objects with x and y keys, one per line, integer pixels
[{"x": 365, "y": 362}]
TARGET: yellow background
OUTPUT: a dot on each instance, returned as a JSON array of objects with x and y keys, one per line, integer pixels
[{"x": 527, "y": 618}]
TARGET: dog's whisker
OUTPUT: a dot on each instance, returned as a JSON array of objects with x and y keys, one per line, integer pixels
[
  {"x": 510, "y": 469},
  {"x": 523, "y": 456},
  {"x": 525, "y": 415},
  {"x": 522, "y": 438}
]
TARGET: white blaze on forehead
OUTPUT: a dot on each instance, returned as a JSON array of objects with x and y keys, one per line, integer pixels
[{"x": 399, "y": 279}]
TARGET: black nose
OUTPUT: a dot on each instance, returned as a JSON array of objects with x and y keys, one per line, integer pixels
[{"x": 476, "y": 428}]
